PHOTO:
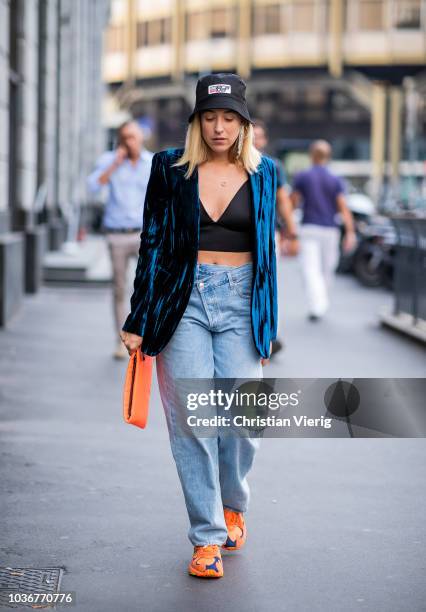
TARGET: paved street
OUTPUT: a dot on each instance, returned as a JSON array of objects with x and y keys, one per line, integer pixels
[{"x": 334, "y": 524}]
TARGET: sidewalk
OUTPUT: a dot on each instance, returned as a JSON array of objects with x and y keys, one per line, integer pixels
[
  {"x": 349, "y": 342},
  {"x": 333, "y": 524}
]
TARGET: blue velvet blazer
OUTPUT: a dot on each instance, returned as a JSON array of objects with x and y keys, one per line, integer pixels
[{"x": 168, "y": 251}]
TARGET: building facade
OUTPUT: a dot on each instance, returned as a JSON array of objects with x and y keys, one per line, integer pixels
[
  {"x": 345, "y": 70},
  {"x": 50, "y": 131}
]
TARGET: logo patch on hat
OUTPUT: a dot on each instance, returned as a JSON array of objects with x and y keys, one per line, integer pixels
[{"x": 220, "y": 88}]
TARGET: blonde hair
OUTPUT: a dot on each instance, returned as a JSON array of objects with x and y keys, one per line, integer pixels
[{"x": 196, "y": 150}]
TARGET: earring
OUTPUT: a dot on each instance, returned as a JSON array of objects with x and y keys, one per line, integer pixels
[{"x": 240, "y": 142}]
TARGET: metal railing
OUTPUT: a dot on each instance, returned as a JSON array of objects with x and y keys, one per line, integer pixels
[{"x": 410, "y": 266}]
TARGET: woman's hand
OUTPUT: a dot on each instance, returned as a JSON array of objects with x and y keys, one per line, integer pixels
[
  {"x": 131, "y": 341},
  {"x": 264, "y": 361}
]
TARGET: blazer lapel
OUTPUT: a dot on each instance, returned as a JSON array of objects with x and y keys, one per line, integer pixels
[
  {"x": 255, "y": 190},
  {"x": 189, "y": 205}
]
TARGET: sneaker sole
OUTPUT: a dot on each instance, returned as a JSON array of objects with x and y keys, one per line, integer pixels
[
  {"x": 233, "y": 547},
  {"x": 239, "y": 545},
  {"x": 210, "y": 574}
]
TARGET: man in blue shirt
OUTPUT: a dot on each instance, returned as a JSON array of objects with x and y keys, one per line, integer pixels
[
  {"x": 125, "y": 173},
  {"x": 322, "y": 195}
]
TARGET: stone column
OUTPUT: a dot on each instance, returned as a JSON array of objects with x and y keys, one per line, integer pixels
[{"x": 378, "y": 131}]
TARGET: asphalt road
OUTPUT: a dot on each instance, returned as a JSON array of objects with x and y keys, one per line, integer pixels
[{"x": 334, "y": 524}]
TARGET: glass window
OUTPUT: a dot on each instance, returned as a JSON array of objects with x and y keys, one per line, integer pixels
[
  {"x": 217, "y": 23},
  {"x": 154, "y": 32},
  {"x": 303, "y": 17},
  {"x": 166, "y": 35},
  {"x": 196, "y": 26},
  {"x": 286, "y": 18},
  {"x": 222, "y": 23},
  {"x": 407, "y": 14},
  {"x": 115, "y": 38},
  {"x": 267, "y": 19},
  {"x": 142, "y": 34},
  {"x": 371, "y": 15}
]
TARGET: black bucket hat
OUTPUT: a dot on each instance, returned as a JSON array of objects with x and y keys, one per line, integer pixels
[{"x": 221, "y": 90}]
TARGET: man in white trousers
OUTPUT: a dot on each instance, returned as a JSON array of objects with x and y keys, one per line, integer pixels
[{"x": 321, "y": 194}]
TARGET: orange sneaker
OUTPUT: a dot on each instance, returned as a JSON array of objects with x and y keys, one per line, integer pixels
[
  {"x": 236, "y": 529},
  {"x": 206, "y": 562}
]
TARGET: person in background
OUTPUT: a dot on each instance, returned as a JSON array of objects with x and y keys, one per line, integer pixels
[
  {"x": 283, "y": 202},
  {"x": 125, "y": 172},
  {"x": 322, "y": 195}
]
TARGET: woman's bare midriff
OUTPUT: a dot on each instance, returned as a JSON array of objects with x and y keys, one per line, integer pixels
[{"x": 224, "y": 258}]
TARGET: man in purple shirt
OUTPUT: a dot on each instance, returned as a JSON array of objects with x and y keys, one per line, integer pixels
[{"x": 322, "y": 195}]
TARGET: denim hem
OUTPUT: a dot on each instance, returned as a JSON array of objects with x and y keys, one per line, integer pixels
[
  {"x": 211, "y": 543},
  {"x": 234, "y": 509}
]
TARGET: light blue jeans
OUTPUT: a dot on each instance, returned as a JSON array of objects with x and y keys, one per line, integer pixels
[{"x": 212, "y": 340}]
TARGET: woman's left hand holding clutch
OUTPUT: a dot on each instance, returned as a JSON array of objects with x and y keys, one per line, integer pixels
[{"x": 131, "y": 341}]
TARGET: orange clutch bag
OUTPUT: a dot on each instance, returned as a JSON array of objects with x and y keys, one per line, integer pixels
[{"x": 137, "y": 389}]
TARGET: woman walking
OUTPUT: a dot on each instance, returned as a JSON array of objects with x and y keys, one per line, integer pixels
[{"x": 205, "y": 296}]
